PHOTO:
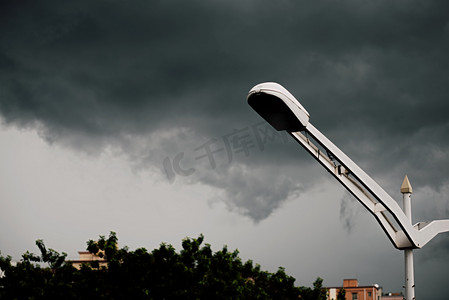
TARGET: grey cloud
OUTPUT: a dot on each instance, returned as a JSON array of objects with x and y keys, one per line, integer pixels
[
  {"x": 157, "y": 79},
  {"x": 251, "y": 191},
  {"x": 154, "y": 79},
  {"x": 348, "y": 212}
]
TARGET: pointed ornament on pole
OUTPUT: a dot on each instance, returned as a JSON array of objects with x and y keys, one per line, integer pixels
[{"x": 406, "y": 187}]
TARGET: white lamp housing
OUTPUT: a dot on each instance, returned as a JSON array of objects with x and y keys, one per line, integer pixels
[{"x": 278, "y": 107}]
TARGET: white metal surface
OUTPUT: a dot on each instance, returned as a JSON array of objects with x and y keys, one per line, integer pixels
[
  {"x": 409, "y": 275},
  {"x": 277, "y": 90},
  {"x": 399, "y": 229},
  {"x": 406, "y": 190},
  {"x": 356, "y": 181}
]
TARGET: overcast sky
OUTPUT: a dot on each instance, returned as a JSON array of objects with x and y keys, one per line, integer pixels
[{"x": 132, "y": 117}]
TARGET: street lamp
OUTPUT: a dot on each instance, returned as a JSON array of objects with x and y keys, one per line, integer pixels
[{"x": 283, "y": 111}]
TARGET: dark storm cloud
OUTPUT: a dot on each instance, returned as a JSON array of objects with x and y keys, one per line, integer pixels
[
  {"x": 170, "y": 75},
  {"x": 252, "y": 191}
]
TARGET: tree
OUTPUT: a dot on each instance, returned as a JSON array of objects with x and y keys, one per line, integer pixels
[
  {"x": 107, "y": 248},
  {"x": 196, "y": 272},
  {"x": 50, "y": 256},
  {"x": 341, "y": 294},
  {"x": 317, "y": 293}
]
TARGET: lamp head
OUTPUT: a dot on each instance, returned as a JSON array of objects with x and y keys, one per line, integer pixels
[{"x": 278, "y": 107}]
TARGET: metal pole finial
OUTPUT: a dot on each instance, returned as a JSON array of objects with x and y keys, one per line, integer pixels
[{"x": 406, "y": 187}]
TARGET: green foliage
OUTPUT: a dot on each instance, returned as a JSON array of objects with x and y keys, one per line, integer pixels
[
  {"x": 196, "y": 272},
  {"x": 103, "y": 247},
  {"x": 317, "y": 293},
  {"x": 341, "y": 294},
  {"x": 50, "y": 256}
]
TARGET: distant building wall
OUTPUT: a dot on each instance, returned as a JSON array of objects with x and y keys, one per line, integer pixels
[
  {"x": 356, "y": 292},
  {"x": 86, "y": 257},
  {"x": 350, "y": 283},
  {"x": 393, "y": 296}
]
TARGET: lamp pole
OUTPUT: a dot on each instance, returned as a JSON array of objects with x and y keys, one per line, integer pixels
[{"x": 406, "y": 190}]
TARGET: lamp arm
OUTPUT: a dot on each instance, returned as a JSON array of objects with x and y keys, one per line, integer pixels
[
  {"x": 428, "y": 230},
  {"x": 362, "y": 186},
  {"x": 284, "y": 112}
]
